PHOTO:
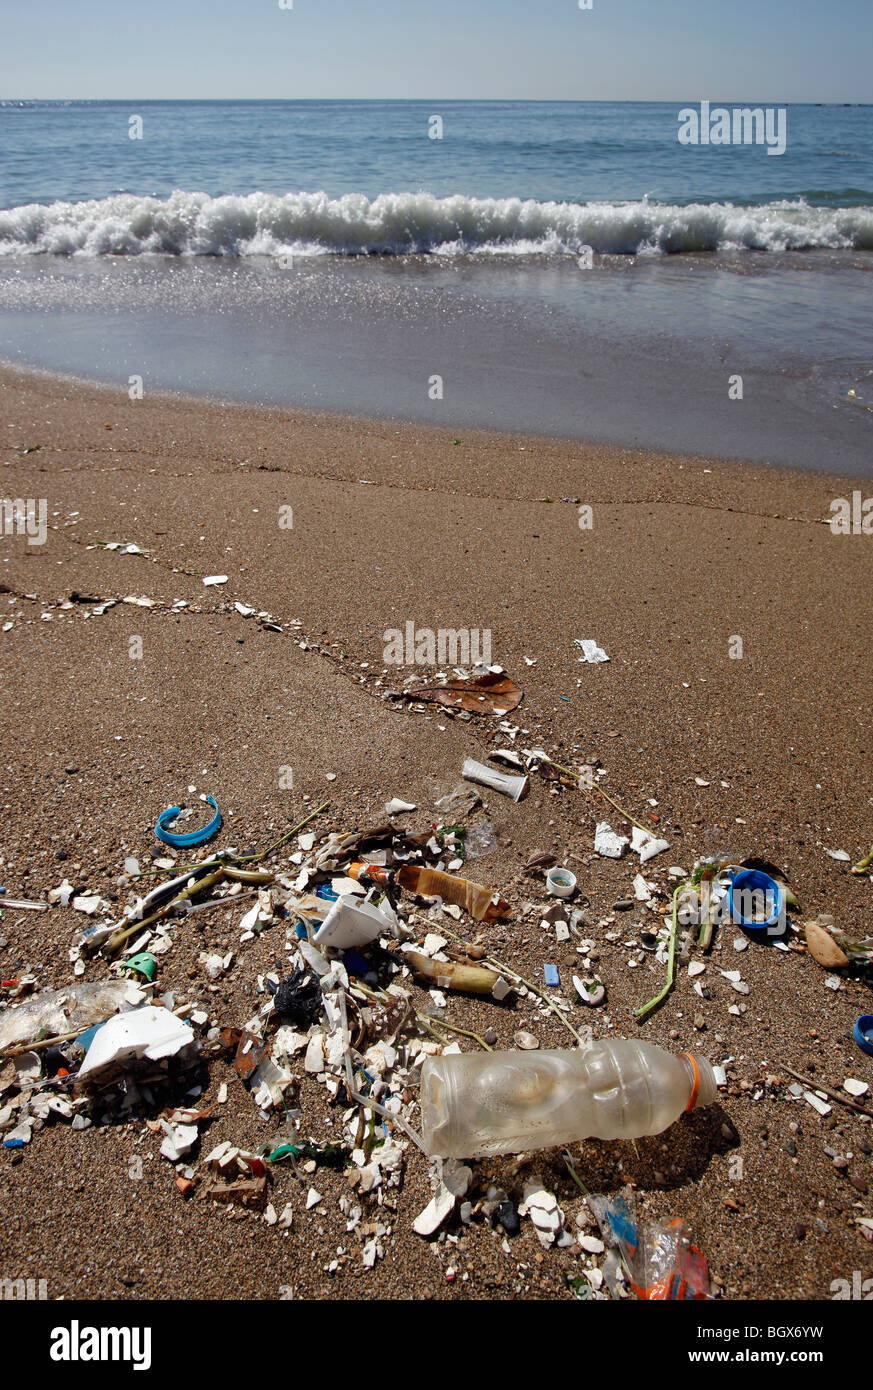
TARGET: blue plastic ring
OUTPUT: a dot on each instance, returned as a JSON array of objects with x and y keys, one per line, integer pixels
[
  {"x": 194, "y": 837},
  {"x": 863, "y": 1033}
]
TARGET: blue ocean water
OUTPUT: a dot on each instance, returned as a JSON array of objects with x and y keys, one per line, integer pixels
[
  {"x": 504, "y": 176},
  {"x": 332, "y": 255}
]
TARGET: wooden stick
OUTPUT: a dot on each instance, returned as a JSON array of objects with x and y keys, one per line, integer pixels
[{"x": 819, "y": 1086}]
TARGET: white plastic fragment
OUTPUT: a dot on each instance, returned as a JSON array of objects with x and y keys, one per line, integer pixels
[
  {"x": 180, "y": 1139},
  {"x": 438, "y": 1209},
  {"x": 542, "y": 1208},
  {"x": 642, "y": 892},
  {"x": 351, "y": 923},
  {"x": 87, "y": 903},
  {"x": 150, "y": 1032},
  {"x": 817, "y": 1103}
]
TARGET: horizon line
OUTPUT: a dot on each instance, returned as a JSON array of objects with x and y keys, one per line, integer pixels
[{"x": 539, "y": 101}]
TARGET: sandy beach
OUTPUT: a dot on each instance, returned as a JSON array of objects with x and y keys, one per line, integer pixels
[{"x": 765, "y": 754}]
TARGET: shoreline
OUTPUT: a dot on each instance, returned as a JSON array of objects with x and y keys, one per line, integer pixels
[
  {"x": 687, "y": 359},
  {"x": 625, "y": 455},
  {"x": 768, "y": 754}
]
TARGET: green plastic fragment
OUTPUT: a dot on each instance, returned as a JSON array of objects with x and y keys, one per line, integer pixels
[
  {"x": 284, "y": 1151},
  {"x": 144, "y": 964}
]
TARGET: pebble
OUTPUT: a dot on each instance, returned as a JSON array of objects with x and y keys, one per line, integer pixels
[
  {"x": 507, "y": 1216},
  {"x": 799, "y": 1231},
  {"x": 699, "y": 1022}
]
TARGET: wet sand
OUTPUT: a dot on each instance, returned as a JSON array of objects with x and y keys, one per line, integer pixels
[{"x": 401, "y": 523}]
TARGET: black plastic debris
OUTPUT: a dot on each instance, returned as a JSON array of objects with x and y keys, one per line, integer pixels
[
  {"x": 299, "y": 998},
  {"x": 508, "y": 1218}
]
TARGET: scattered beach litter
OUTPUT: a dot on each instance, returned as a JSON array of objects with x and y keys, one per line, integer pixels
[
  {"x": 383, "y": 941},
  {"x": 659, "y": 1257}
]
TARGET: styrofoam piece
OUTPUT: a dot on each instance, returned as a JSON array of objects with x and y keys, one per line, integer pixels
[{"x": 607, "y": 843}]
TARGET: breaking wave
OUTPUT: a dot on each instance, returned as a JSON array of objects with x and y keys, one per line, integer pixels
[{"x": 263, "y": 224}]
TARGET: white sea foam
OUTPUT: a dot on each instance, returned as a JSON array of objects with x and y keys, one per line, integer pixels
[{"x": 262, "y": 224}]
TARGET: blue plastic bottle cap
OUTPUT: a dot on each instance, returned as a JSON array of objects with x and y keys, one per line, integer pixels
[
  {"x": 754, "y": 881},
  {"x": 863, "y": 1033}
]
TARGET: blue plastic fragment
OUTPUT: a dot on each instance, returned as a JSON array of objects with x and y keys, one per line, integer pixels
[
  {"x": 13, "y": 1143},
  {"x": 302, "y": 933},
  {"x": 85, "y": 1039},
  {"x": 193, "y": 837},
  {"x": 355, "y": 964},
  {"x": 324, "y": 890},
  {"x": 551, "y": 974}
]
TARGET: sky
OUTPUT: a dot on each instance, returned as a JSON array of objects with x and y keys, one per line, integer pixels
[{"x": 766, "y": 51}]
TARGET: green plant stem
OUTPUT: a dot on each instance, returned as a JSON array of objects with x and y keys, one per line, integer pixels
[
  {"x": 640, "y": 1014},
  {"x": 574, "y": 777}
]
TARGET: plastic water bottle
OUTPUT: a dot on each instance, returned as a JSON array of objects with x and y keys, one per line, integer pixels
[{"x": 483, "y": 1103}]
